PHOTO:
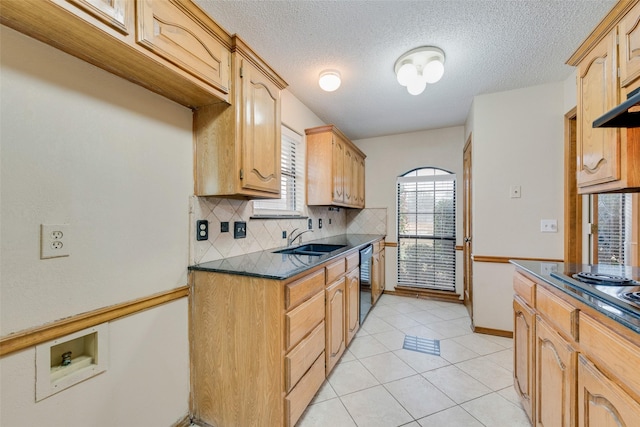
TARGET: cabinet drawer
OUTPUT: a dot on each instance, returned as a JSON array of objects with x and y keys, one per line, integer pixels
[
  {"x": 296, "y": 401},
  {"x": 353, "y": 261},
  {"x": 558, "y": 312},
  {"x": 303, "y": 289},
  {"x": 335, "y": 270},
  {"x": 612, "y": 353},
  {"x": 298, "y": 361},
  {"x": 526, "y": 288},
  {"x": 301, "y": 320}
]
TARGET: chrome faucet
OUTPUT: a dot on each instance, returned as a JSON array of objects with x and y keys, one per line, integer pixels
[{"x": 293, "y": 238}]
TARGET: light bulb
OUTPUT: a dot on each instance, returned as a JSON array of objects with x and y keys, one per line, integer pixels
[
  {"x": 329, "y": 80},
  {"x": 417, "y": 86},
  {"x": 433, "y": 71},
  {"x": 407, "y": 73}
]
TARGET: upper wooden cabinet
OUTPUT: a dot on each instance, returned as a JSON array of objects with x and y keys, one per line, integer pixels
[
  {"x": 608, "y": 69},
  {"x": 170, "y": 47},
  {"x": 237, "y": 147},
  {"x": 335, "y": 169},
  {"x": 167, "y": 30}
]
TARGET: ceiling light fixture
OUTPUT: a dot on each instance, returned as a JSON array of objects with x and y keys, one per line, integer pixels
[
  {"x": 418, "y": 67},
  {"x": 329, "y": 80}
]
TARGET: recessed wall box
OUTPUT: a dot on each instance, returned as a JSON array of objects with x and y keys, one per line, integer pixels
[{"x": 70, "y": 360}]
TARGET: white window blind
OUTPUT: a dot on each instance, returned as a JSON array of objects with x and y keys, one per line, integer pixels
[
  {"x": 614, "y": 229},
  {"x": 426, "y": 229},
  {"x": 292, "y": 184}
]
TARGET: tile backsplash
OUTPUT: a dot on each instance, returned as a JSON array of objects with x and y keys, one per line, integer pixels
[{"x": 263, "y": 234}]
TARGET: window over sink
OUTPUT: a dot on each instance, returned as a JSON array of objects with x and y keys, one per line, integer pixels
[{"x": 292, "y": 185}]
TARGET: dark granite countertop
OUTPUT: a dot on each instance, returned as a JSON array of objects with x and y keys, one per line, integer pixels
[
  {"x": 267, "y": 264},
  {"x": 609, "y": 307}
]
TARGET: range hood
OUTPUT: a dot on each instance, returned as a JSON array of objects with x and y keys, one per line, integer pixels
[{"x": 625, "y": 115}]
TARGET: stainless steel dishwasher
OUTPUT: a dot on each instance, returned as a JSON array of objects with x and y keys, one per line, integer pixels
[{"x": 365, "y": 281}]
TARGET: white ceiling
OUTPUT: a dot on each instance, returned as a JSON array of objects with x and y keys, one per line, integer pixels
[{"x": 490, "y": 46}]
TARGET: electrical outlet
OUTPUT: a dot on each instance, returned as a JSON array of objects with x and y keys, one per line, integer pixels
[
  {"x": 549, "y": 225},
  {"x": 310, "y": 224},
  {"x": 54, "y": 240},
  {"x": 515, "y": 191},
  {"x": 239, "y": 230},
  {"x": 202, "y": 229},
  {"x": 284, "y": 234},
  {"x": 319, "y": 222}
]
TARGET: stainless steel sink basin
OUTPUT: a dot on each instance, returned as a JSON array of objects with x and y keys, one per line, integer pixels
[{"x": 312, "y": 249}]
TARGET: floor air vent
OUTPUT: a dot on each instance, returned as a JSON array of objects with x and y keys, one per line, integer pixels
[{"x": 423, "y": 345}]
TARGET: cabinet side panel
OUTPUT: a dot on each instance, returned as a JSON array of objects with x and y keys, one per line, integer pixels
[
  {"x": 215, "y": 157},
  {"x": 237, "y": 323}
]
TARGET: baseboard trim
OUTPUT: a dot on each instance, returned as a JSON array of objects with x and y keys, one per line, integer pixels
[
  {"x": 425, "y": 294},
  {"x": 31, "y": 337},
  {"x": 495, "y": 332}
]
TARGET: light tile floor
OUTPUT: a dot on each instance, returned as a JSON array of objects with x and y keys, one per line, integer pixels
[{"x": 377, "y": 383}]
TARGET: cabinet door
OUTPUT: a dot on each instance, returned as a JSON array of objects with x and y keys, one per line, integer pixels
[
  {"x": 335, "y": 322},
  {"x": 524, "y": 340},
  {"x": 338, "y": 170},
  {"x": 170, "y": 33},
  {"x": 117, "y": 14},
  {"x": 555, "y": 378},
  {"x": 260, "y": 130},
  {"x": 361, "y": 186},
  {"x": 375, "y": 277},
  {"x": 598, "y": 149},
  {"x": 352, "y": 304},
  {"x": 629, "y": 49},
  {"x": 601, "y": 402},
  {"x": 348, "y": 181}
]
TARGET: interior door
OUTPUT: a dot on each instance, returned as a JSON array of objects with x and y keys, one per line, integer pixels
[{"x": 466, "y": 224}]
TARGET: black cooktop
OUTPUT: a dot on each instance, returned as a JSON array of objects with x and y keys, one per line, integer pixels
[{"x": 615, "y": 283}]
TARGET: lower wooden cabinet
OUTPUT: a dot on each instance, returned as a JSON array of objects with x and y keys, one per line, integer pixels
[
  {"x": 601, "y": 402},
  {"x": 335, "y": 315},
  {"x": 261, "y": 348},
  {"x": 352, "y": 305},
  {"x": 524, "y": 341},
  {"x": 585, "y": 364},
  {"x": 555, "y": 378}
]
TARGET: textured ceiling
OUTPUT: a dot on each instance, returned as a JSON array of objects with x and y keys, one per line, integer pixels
[{"x": 490, "y": 46}]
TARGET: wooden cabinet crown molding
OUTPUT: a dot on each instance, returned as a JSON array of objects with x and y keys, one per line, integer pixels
[
  {"x": 240, "y": 46},
  {"x": 600, "y": 32}
]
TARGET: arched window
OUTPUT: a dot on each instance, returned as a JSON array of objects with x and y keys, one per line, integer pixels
[{"x": 427, "y": 229}]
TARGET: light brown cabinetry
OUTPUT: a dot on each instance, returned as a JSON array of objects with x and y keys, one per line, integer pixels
[
  {"x": 352, "y": 305},
  {"x": 237, "y": 147},
  {"x": 555, "y": 378},
  {"x": 270, "y": 343},
  {"x": 608, "y": 158},
  {"x": 524, "y": 340},
  {"x": 335, "y": 169},
  {"x": 170, "y": 47},
  {"x": 377, "y": 271},
  {"x": 336, "y": 325},
  {"x": 166, "y": 30},
  {"x": 584, "y": 362},
  {"x": 257, "y": 347}
]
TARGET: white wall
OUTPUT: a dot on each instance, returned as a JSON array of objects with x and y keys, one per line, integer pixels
[
  {"x": 391, "y": 156},
  {"x": 113, "y": 160},
  {"x": 518, "y": 139}
]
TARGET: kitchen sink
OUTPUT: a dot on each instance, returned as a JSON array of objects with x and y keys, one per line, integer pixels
[{"x": 312, "y": 249}]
